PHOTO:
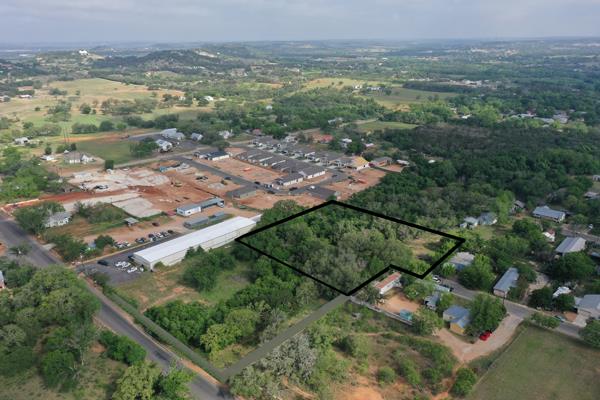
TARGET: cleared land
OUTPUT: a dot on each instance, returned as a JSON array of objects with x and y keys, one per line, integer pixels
[
  {"x": 381, "y": 125},
  {"x": 401, "y": 97},
  {"x": 541, "y": 364}
]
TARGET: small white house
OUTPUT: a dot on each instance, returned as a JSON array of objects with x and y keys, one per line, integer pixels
[
  {"x": 225, "y": 134},
  {"x": 22, "y": 141},
  {"x": 58, "y": 219},
  {"x": 172, "y": 133},
  {"x": 75, "y": 157},
  {"x": 388, "y": 283},
  {"x": 189, "y": 209},
  {"x": 163, "y": 145},
  {"x": 197, "y": 136},
  {"x": 209, "y": 98}
]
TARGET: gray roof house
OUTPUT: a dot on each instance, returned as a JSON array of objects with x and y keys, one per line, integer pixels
[
  {"x": 469, "y": 222},
  {"x": 197, "y": 136},
  {"x": 548, "y": 213},
  {"x": 508, "y": 281},
  {"x": 172, "y": 133},
  {"x": 462, "y": 260},
  {"x": 570, "y": 245},
  {"x": 243, "y": 192},
  {"x": 58, "y": 219},
  {"x": 589, "y": 306},
  {"x": 458, "y": 317},
  {"x": 487, "y": 218},
  {"x": 290, "y": 179}
]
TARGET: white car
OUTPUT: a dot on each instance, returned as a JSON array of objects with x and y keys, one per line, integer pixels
[{"x": 436, "y": 279}]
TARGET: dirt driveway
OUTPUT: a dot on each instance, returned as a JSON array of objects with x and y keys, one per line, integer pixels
[{"x": 466, "y": 352}]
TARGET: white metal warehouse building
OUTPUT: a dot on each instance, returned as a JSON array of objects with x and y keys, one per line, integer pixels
[{"x": 173, "y": 251}]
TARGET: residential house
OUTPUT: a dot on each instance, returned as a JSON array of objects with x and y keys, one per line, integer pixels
[
  {"x": 387, "y": 284},
  {"x": 217, "y": 155},
  {"x": 589, "y": 306},
  {"x": 561, "y": 290},
  {"x": 458, "y": 317},
  {"x": 432, "y": 300},
  {"x": 517, "y": 206},
  {"x": 311, "y": 171},
  {"x": 469, "y": 222},
  {"x": 404, "y": 163},
  {"x": 21, "y": 141},
  {"x": 2, "y": 283},
  {"x": 172, "y": 134},
  {"x": 381, "y": 161},
  {"x": 225, "y": 134},
  {"x": 550, "y": 235},
  {"x": 596, "y": 178},
  {"x": 591, "y": 195},
  {"x": 58, "y": 219},
  {"x": 163, "y": 145},
  {"x": 570, "y": 245},
  {"x": 345, "y": 142},
  {"x": 130, "y": 221},
  {"x": 75, "y": 157},
  {"x": 321, "y": 192},
  {"x": 209, "y": 98},
  {"x": 506, "y": 282},
  {"x": 462, "y": 260},
  {"x": 359, "y": 163},
  {"x": 290, "y": 179},
  {"x": 487, "y": 218},
  {"x": 196, "y": 136},
  {"x": 47, "y": 157},
  {"x": 325, "y": 139},
  {"x": 546, "y": 212}
]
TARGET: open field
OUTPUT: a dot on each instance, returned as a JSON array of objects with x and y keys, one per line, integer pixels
[
  {"x": 335, "y": 83},
  {"x": 164, "y": 285},
  {"x": 369, "y": 176},
  {"x": 381, "y": 125},
  {"x": 96, "y": 381},
  {"x": 91, "y": 91},
  {"x": 541, "y": 364},
  {"x": 401, "y": 97},
  {"x": 108, "y": 149}
]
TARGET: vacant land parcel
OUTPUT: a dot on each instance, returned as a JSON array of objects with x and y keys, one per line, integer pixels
[{"x": 542, "y": 365}]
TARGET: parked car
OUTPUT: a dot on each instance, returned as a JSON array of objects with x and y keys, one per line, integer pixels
[
  {"x": 103, "y": 262},
  {"x": 560, "y": 318},
  {"x": 485, "y": 335},
  {"x": 436, "y": 279}
]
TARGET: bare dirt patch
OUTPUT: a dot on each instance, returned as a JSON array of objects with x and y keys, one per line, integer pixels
[
  {"x": 398, "y": 302},
  {"x": 362, "y": 180}
]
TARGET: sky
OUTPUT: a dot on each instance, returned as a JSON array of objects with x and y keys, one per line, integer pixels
[{"x": 102, "y": 21}]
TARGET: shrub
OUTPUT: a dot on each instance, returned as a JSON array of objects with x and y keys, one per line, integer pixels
[
  {"x": 465, "y": 379},
  {"x": 121, "y": 348},
  {"x": 386, "y": 375}
]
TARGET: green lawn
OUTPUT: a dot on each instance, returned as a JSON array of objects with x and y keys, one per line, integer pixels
[
  {"x": 108, "y": 149},
  {"x": 401, "y": 97},
  {"x": 381, "y": 125},
  {"x": 541, "y": 364}
]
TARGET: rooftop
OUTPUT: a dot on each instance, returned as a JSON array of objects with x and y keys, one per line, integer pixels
[
  {"x": 548, "y": 212},
  {"x": 571, "y": 245},
  {"x": 185, "y": 242},
  {"x": 508, "y": 280},
  {"x": 590, "y": 302},
  {"x": 389, "y": 279}
]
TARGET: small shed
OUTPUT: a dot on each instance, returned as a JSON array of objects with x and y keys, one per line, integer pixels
[{"x": 130, "y": 221}]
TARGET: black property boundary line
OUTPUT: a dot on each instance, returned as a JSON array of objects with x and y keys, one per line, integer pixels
[{"x": 459, "y": 242}]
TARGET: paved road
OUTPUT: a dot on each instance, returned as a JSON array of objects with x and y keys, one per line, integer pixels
[
  {"x": 110, "y": 315},
  {"x": 567, "y": 231},
  {"x": 516, "y": 309}
]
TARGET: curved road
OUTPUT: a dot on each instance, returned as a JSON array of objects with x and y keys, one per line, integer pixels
[{"x": 202, "y": 388}]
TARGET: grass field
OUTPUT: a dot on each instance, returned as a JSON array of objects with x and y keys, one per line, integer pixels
[
  {"x": 381, "y": 125},
  {"x": 90, "y": 91},
  {"x": 96, "y": 382},
  {"x": 335, "y": 83},
  {"x": 108, "y": 149},
  {"x": 542, "y": 365},
  {"x": 400, "y": 97},
  {"x": 165, "y": 285}
]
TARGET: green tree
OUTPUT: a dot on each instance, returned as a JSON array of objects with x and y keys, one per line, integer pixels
[
  {"x": 426, "y": 322},
  {"x": 121, "y": 348},
  {"x": 545, "y": 320},
  {"x": 465, "y": 380},
  {"x": 109, "y": 164},
  {"x": 174, "y": 385},
  {"x": 486, "y": 313},
  {"x": 58, "y": 369},
  {"x": 572, "y": 266},
  {"x": 541, "y": 298},
  {"x": 564, "y": 302},
  {"x": 356, "y": 345},
  {"x": 591, "y": 333},
  {"x": 478, "y": 275},
  {"x": 138, "y": 382}
]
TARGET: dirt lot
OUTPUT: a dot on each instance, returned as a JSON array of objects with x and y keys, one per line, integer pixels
[
  {"x": 394, "y": 168},
  {"x": 250, "y": 172},
  {"x": 265, "y": 201},
  {"x": 370, "y": 176},
  {"x": 396, "y": 302},
  {"x": 467, "y": 352}
]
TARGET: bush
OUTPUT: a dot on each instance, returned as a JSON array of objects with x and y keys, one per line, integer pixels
[
  {"x": 121, "y": 348},
  {"x": 386, "y": 375},
  {"x": 544, "y": 320},
  {"x": 408, "y": 369},
  {"x": 591, "y": 334},
  {"x": 465, "y": 379},
  {"x": 18, "y": 360},
  {"x": 356, "y": 346}
]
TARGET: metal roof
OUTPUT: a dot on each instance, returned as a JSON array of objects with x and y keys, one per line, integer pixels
[
  {"x": 194, "y": 239},
  {"x": 508, "y": 280},
  {"x": 590, "y": 302},
  {"x": 571, "y": 245},
  {"x": 188, "y": 207},
  {"x": 545, "y": 211}
]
